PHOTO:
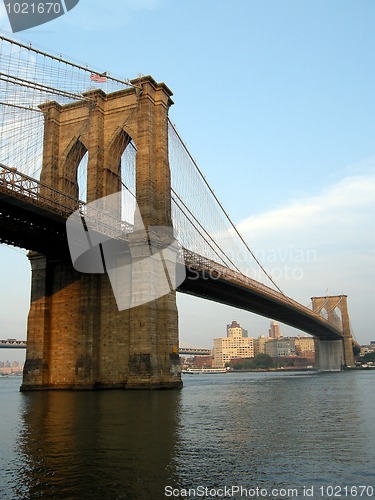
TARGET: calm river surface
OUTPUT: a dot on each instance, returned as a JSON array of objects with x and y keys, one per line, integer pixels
[{"x": 302, "y": 432}]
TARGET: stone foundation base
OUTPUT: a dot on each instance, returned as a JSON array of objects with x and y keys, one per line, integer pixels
[{"x": 99, "y": 387}]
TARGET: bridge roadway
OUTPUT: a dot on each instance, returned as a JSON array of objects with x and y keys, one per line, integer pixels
[
  {"x": 12, "y": 344},
  {"x": 33, "y": 216}
]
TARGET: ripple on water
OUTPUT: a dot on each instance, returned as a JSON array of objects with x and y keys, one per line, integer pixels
[{"x": 255, "y": 429}]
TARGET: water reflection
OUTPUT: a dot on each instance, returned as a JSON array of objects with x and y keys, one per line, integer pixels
[
  {"x": 98, "y": 445},
  {"x": 273, "y": 430},
  {"x": 251, "y": 429}
]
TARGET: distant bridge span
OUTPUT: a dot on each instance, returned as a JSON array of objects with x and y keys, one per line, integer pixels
[
  {"x": 22, "y": 344},
  {"x": 13, "y": 344},
  {"x": 194, "y": 351}
]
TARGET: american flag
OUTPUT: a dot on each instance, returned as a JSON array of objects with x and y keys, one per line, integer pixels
[{"x": 94, "y": 77}]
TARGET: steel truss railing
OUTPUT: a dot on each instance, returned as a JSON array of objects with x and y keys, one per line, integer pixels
[{"x": 23, "y": 187}]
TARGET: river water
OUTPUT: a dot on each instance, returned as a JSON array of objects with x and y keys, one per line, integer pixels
[{"x": 259, "y": 435}]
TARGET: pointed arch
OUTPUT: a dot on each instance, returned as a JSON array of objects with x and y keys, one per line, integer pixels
[
  {"x": 337, "y": 317},
  {"x": 69, "y": 182},
  {"x": 112, "y": 176},
  {"x": 323, "y": 312},
  {"x": 117, "y": 146},
  {"x": 120, "y": 172},
  {"x": 82, "y": 177},
  {"x": 128, "y": 182}
]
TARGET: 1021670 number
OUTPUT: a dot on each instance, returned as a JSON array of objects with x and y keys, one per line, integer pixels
[
  {"x": 33, "y": 8},
  {"x": 346, "y": 491}
]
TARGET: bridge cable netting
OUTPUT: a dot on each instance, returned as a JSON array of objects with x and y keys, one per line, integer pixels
[{"x": 30, "y": 77}]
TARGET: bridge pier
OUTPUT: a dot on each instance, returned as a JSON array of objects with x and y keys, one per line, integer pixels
[
  {"x": 336, "y": 308},
  {"x": 77, "y": 337},
  {"x": 330, "y": 355}
]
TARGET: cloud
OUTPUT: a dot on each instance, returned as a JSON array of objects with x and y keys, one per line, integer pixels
[
  {"x": 340, "y": 214},
  {"x": 323, "y": 244}
]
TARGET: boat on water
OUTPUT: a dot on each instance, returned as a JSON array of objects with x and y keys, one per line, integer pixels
[{"x": 197, "y": 371}]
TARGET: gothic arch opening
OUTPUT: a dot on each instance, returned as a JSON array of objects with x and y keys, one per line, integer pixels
[
  {"x": 74, "y": 180},
  {"x": 337, "y": 317},
  {"x": 82, "y": 177},
  {"x": 323, "y": 312},
  {"x": 128, "y": 183},
  {"x": 121, "y": 173}
]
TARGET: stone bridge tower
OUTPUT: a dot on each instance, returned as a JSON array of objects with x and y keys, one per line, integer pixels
[
  {"x": 77, "y": 337},
  {"x": 336, "y": 308}
]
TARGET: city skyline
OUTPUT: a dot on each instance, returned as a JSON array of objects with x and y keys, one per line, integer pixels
[
  {"x": 287, "y": 112},
  {"x": 274, "y": 326}
]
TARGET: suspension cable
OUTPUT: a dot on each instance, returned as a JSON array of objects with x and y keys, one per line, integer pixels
[
  {"x": 15, "y": 80},
  {"x": 2, "y": 103},
  {"x": 60, "y": 59},
  {"x": 205, "y": 231},
  {"x": 224, "y": 211}
]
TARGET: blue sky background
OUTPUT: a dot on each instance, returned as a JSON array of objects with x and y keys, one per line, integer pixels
[{"x": 276, "y": 101}]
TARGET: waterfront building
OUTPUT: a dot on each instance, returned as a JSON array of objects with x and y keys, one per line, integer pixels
[
  {"x": 278, "y": 347},
  {"x": 366, "y": 349},
  {"x": 234, "y": 345},
  {"x": 305, "y": 347},
  {"x": 234, "y": 330},
  {"x": 259, "y": 345}
]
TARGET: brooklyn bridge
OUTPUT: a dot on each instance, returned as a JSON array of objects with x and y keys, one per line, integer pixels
[{"x": 70, "y": 137}]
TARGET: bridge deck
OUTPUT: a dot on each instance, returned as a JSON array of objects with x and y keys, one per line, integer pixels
[
  {"x": 33, "y": 216},
  {"x": 218, "y": 283}
]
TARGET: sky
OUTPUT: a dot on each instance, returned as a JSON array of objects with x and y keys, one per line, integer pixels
[{"x": 275, "y": 100}]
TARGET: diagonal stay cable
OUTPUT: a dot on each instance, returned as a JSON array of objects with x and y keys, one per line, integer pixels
[
  {"x": 191, "y": 222},
  {"x": 205, "y": 231},
  {"x": 200, "y": 233},
  {"x": 224, "y": 211},
  {"x": 18, "y": 106},
  {"x": 15, "y": 80}
]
